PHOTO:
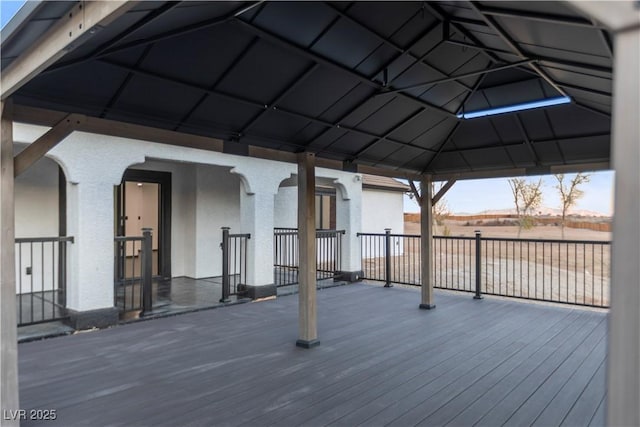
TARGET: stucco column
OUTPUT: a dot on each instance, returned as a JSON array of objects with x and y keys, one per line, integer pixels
[
  {"x": 257, "y": 202},
  {"x": 93, "y": 164},
  {"x": 426, "y": 244},
  {"x": 624, "y": 322},
  {"x": 90, "y": 221},
  {"x": 349, "y": 219},
  {"x": 9, "y": 400}
]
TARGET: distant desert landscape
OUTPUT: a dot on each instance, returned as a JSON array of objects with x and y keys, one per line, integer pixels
[{"x": 545, "y": 229}]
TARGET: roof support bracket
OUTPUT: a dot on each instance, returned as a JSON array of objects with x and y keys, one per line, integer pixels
[
  {"x": 443, "y": 190},
  {"x": 41, "y": 146}
]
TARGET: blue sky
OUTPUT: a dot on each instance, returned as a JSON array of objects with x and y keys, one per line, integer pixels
[
  {"x": 473, "y": 195},
  {"x": 477, "y": 195},
  {"x": 8, "y": 9}
]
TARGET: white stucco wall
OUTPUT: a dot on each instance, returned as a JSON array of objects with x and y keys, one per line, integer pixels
[
  {"x": 36, "y": 200},
  {"x": 382, "y": 209},
  {"x": 286, "y": 208},
  {"x": 209, "y": 190}
]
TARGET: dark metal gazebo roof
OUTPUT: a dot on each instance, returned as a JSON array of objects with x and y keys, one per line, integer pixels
[{"x": 370, "y": 83}]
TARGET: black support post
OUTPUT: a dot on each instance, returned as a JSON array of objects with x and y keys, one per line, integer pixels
[
  {"x": 387, "y": 258},
  {"x": 147, "y": 257},
  {"x": 226, "y": 285},
  {"x": 478, "y": 265}
]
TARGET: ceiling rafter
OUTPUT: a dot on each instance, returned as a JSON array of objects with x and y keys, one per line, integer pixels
[
  {"x": 125, "y": 83},
  {"x": 297, "y": 81},
  {"x": 407, "y": 49},
  {"x": 506, "y": 38},
  {"x": 245, "y": 101},
  {"x": 412, "y": 141},
  {"x": 274, "y": 103},
  {"x": 146, "y": 20},
  {"x": 439, "y": 13},
  {"x": 415, "y": 41},
  {"x": 593, "y": 110},
  {"x": 558, "y": 61},
  {"x": 455, "y": 128},
  {"x": 391, "y": 131},
  {"x": 494, "y": 145},
  {"x": 243, "y": 53},
  {"x": 460, "y": 76},
  {"x": 268, "y": 35},
  {"x": 167, "y": 34},
  {"x": 537, "y": 16},
  {"x": 410, "y": 118},
  {"x": 527, "y": 140},
  {"x": 391, "y": 44},
  {"x": 584, "y": 89},
  {"x": 497, "y": 132}
]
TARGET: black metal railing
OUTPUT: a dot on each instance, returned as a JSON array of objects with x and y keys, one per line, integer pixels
[
  {"x": 565, "y": 271},
  {"x": 41, "y": 279},
  {"x": 234, "y": 263},
  {"x": 286, "y": 252},
  {"x": 133, "y": 284}
]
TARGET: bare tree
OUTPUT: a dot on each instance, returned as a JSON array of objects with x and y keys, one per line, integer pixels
[
  {"x": 527, "y": 197},
  {"x": 569, "y": 192}
]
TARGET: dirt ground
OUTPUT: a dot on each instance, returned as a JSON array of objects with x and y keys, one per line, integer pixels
[
  {"x": 576, "y": 273},
  {"x": 457, "y": 228}
]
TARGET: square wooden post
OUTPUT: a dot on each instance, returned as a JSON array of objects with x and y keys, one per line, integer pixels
[
  {"x": 426, "y": 243},
  {"x": 8, "y": 323},
  {"x": 307, "y": 305},
  {"x": 623, "y": 379}
]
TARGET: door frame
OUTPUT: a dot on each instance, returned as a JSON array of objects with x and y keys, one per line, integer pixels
[{"x": 163, "y": 179}]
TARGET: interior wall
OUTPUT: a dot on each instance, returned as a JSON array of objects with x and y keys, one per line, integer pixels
[{"x": 141, "y": 205}]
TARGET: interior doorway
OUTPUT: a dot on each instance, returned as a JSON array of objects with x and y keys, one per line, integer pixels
[{"x": 143, "y": 200}]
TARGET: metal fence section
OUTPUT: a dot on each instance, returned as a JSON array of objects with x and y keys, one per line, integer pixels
[
  {"x": 234, "y": 263},
  {"x": 564, "y": 271},
  {"x": 41, "y": 279},
  {"x": 133, "y": 287},
  {"x": 286, "y": 250}
]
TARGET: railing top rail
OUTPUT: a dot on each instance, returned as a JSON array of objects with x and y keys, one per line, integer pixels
[
  {"x": 294, "y": 231},
  {"x": 247, "y": 235},
  {"x": 330, "y": 231},
  {"x": 128, "y": 238},
  {"x": 501, "y": 239},
  {"x": 384, "y": 234},
  {"x": 585, "y": 242},
  {"x": 44, "y": 239}
]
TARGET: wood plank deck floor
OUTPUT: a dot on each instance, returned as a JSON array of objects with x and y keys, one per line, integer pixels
[{"x": 381, "y": 361}]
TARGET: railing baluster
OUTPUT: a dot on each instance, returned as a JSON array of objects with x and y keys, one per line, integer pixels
[{"x": 478, "y": 265}]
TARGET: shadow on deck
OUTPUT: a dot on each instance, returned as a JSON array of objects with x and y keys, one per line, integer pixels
[{"x": 381, "y": 361}]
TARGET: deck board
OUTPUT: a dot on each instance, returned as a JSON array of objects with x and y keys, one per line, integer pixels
[{"x": 381, "y": 361}]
